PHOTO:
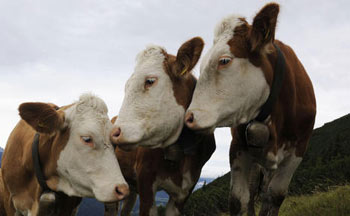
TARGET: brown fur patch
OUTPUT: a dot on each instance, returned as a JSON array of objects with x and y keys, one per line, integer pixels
[
  {"x": 239, "y": 44},
  {"x": 41, "y": 116},
  {"x": 188, "y": 56},
  {"x": 2, "y": 207},
  {"x": 114, "y": 119},
  {"x": 179, "y": 69},
  {"x": 264, "y": 25}
]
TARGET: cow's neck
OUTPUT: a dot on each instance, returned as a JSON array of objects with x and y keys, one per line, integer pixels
[
  {"x": 38, "y": 168},
  {"x": 188, "y": 141},
  {"x": 256, "y": 131},
  {"x": 50, "y": 147},
  {"x": 186, "y": 144},
  {"x": 183, "y": 88},
  {"x": 276, "y": 86}
]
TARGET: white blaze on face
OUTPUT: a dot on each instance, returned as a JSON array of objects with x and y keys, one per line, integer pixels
[
  {"x": 150, "y": 115},
  {"x": 89, "y": 169},
  {"x": 230, "y": 95}
]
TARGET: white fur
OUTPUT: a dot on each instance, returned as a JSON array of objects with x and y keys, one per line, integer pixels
[
  {"x": 177, "y": 193},
  {"x": 224, "y": 30},
  {"x": 180, "y": 192},
  {"x": 283, "y": 175},
  {"x": 240, "y": 171},
  {"x": 86, "y": 171},
  {"x": 150, "y": 117},
  {"x": 171, "y": 209},
  {"x": 233, "y": 95},
  {"x": 153, "y": 210}
]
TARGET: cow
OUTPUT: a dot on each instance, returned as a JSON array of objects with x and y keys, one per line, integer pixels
[
  {"x": 164, "y": 154},
  {"x": 76, "y": 159},
  {"x": 257, "y": 86}
]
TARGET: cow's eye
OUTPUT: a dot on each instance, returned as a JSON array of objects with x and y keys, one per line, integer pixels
[
  {"x": 150, "y": 81},
  {"x": 224, "y": 60},
  {"x": 87, "y": 140}
]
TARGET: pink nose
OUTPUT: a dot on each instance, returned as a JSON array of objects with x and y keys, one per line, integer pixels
[
  {"x": 121, "y": 191},
  {"x": 189, "y": 120},
  {"x": 116, "y": 132}
]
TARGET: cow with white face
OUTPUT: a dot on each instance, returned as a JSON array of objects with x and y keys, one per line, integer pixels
[
  {"x": 250, "y": 81},
  {"x": 152, "y": 116},
  {"x": 156, "y": 97},
  {"x": 76, "y": 154}
]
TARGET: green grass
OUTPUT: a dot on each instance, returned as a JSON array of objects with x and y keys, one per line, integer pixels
[{"x": 335, "y": 202}]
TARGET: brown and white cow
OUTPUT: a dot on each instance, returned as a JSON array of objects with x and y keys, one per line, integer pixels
[
  {"x": 235, "y": 81},
  {"x": 76, "y": 155},
  {"x": 152, "y": 116}
]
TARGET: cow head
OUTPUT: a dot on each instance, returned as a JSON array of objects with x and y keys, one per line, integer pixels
[
  {"x": 156, "y": 97},
  {"x": 85, "y": 163},
  {"x": 235, "y": 73}
]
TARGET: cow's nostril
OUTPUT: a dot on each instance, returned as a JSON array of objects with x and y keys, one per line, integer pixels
[
  {"x": 189, "y": 117},
  {"x": 115, "y": 136},
  {"x": 122, "y": 191},
  {"x": 118, "y": 191},
  {"x": 117, "y": 132}
]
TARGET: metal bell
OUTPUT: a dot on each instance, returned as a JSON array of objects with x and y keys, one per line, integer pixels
[
  {"x": 47, "y": 203},
  {"x": 257, "y": 134}
]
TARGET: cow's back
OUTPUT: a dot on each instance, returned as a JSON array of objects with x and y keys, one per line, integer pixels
[
  {"x": 2, "y": 207},
  {"x": 17, "y": 174},
  {"x": 300, "y": 84},
  {"x": 17, "y": 161}
]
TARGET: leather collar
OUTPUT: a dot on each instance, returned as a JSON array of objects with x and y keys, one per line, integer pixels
[
  {"x": 37, "y": 164},
  {"x": 278, "y": 77}
]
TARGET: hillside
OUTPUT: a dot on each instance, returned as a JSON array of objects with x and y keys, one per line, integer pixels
[
  {"x": 335, "y": 202},
  {"x": 326, "y": 163}
]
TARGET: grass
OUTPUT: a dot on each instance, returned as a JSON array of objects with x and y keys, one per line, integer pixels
[{"x": 335, "y": 202}]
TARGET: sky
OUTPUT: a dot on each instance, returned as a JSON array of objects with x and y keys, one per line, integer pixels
[{"x": 53, "y": 51}]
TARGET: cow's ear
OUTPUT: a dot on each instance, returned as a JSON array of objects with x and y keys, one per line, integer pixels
[
  {"x": 188, "y": 56},
  {"x": 264, "y": 25},
  {"x": 43, "y": 117},
  {"x": 114, "y": 119}
]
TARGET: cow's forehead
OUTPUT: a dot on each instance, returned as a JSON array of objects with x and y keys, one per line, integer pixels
[
  {"x": 224, "y": 30},
  {"x": 151, "y": 56},
  {"x": 88, "y": 108},
  {"x": 223, "y": 33},
  {"x": 90, "y": 102}
]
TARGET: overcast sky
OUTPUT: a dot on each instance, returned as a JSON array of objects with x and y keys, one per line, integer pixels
[{"x": 52, "y": 51}]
